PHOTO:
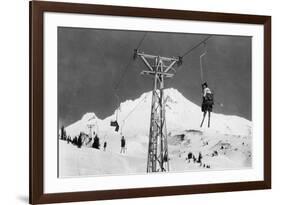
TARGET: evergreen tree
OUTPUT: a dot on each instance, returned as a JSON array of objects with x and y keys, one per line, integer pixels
[
  {"x": 74, "y": 141},
  {"x": 79, "y": 141},
  {"x": 62, "y": 133},
  {"x": 96, "y": 143}
]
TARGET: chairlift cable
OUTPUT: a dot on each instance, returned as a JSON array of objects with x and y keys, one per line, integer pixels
[
  {"x": 197, "y": 45},
  {"x": 124, "y": 72},
  {"x": 128, "y": 64},
  {"x": 141, "y": 40},
  {"x": 127, "y": 116},
  {"x": 135, "y": 107}
]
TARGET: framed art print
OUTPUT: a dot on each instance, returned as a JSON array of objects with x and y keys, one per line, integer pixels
[{"x": 137, "y": 102}]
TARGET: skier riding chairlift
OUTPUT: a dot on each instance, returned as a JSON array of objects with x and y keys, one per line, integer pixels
[
  {"x": 207, "y": 103},
  {"x": 115, "y": 124}
]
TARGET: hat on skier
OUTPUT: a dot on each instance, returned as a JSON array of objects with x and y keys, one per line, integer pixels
[{"x": 205, "y": 84}]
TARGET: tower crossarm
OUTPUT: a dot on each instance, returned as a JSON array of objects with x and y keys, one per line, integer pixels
[
  {"x": 149, "y": 56},
  {"x": 167, "y": 75}
]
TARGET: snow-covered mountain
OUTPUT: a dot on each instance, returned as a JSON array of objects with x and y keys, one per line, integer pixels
[
  {"x": 181, "y": 114},
  {"x": 228, "y": 139}
]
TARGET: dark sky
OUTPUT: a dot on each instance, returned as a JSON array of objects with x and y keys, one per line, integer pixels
[{"x": 91, "y": 62}]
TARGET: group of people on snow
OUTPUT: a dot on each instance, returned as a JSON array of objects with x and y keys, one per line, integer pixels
[
  {"x": 192, "y": 158},
  {"x": 80, "y": 140},
  {"x": 123, "y": 144}
]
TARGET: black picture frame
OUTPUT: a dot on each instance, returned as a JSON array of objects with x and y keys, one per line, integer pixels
[{"x": 37, "y": 9}]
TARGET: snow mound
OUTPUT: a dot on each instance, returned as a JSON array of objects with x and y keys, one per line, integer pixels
[{"x": 74, "y": 162}]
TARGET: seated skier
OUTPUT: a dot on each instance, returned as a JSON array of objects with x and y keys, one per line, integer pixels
[{"x": 207, "y": 103}]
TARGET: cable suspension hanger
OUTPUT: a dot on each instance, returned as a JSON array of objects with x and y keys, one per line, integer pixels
[
  {"x": 201, "y": 63},
  {"x": 127, "y": 116},
  {"x": 180, "y": 62}
]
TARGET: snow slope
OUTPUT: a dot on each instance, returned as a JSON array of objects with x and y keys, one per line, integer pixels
[
  {"x": 229, "y": 137},
  {"x": 86, "y": 161}
]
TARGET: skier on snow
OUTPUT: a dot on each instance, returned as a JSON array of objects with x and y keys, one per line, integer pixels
[
  {"x": 104, "y": 146},
  {"x": 200, "y": 159},
  {"x": 123, "y": 144}
]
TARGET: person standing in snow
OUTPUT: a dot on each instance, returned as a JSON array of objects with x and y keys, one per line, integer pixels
[
  {"x": 207, "y": 103},
  {"x": 104, "y": 145},
  {"x": 194, "y": 159},
  {"x": 123, "y": 145},
  {"x": 200, "y": 159},
  {"x": 189, "y": 156}
]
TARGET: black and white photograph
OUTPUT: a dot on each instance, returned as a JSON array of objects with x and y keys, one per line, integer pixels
[{"x": 143, "y": 102}]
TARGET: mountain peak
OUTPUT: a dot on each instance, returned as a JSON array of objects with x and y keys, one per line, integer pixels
[
  {"x": 89, "y": 116},
  {"x": 173, "y": 93}
]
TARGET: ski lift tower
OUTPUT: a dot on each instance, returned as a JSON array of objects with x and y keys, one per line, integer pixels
[
  {"x": 159, "y": 68},
  {"x": 90, "y": 126}
]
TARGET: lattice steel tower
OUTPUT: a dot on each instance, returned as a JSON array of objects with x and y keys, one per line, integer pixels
[{"x": 159, "y": 68}]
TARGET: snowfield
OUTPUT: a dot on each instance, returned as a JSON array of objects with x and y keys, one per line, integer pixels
[
  {"x": 87, "y": 161},
  {"x": 226, "y": 145}
]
